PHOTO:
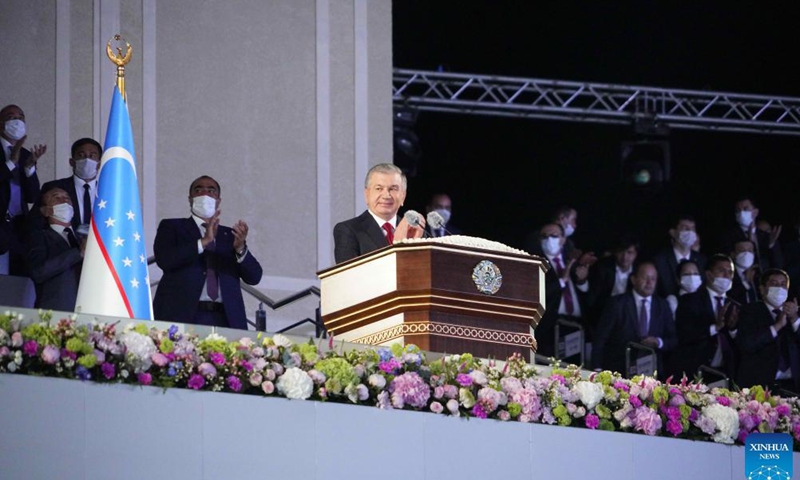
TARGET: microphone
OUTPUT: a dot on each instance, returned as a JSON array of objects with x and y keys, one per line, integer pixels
[
  {"x": 413, "y": 218},
  {"x": 436, "y": 221}
]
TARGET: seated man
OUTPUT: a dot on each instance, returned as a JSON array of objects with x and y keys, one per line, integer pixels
[
  {"x": 55, "y": 255},
  {"x": 706, "y": 323},
  {"x": 635, "y": 316},
  {"x": 377, "y": 227},
  {"x": 768, "y": 337},
  {"x": 767, "y": 249},
  {"x": 203, "y": 263}
]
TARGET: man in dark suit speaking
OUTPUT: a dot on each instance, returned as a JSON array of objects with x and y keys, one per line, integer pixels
[
  {"x": 203, "y": 263},
  {"x": 377, "y": 227}
]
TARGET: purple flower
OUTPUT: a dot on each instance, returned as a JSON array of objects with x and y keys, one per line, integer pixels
[
  {"x": 67, "y": 354},
  {"x": 783, "y": 410},
  {"x": 4, "y": 351},
  {"x": 559, "y": 379},
  {"x": 30, "y": 348},
  {"x": 196, "y": 381},
  {"x": 108, "y": 370},
  {"x": 592, "y": 421},
  {"x": 145, "y": 378},
  {"x": 674, "y": 427},
  {"x": 207, "y": 370},
  {"x": 390, "y": 366},
  {"x": 217, "y": 358},
  {"x": 234, "y": 383},
  {"x": 173, "y": 331},
  {"x": 50, "y": 355},
  {"x": 409, "y": 389},
  {"x": 635, "y": 401},
  {"x": 646, "y": 420},
  {"x": 83, "y": 373},
  {"x": 478, "y": 411},
  {"x": 464, "y": 380},
  {"x": 438, "y": 392},
  {"x": 724, "y": 401},
  {"x": 672, "y": 413},
  {"x": 246, "y": 366}
]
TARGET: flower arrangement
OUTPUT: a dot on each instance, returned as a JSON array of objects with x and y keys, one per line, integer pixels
[{"x": 390, "y": 378}]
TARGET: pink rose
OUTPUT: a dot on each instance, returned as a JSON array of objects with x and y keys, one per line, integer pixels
[
  {"x": 255, "y": 379},
  {"x": 159, "y": 359},
  {"x": 16, "y": 339},
  {"x": 437, "y": 407},
  {"x": 50, "y": 355},
  {"x": 268, "y": 387},
  {"x": 4, "y": 351}
]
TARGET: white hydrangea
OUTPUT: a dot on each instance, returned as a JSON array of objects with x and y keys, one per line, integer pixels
[
  {"x": 589, "y": 393},
  {"x": 140, "y": 348},
  {"x": 726, "y": 420},
  {"x": 295, "y": 384}
]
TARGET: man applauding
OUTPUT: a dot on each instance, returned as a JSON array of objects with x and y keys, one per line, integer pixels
[{"x": 203, "y": 263}]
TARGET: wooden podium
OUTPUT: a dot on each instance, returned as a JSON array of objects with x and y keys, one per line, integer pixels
[{"x": 438, "y": 296}]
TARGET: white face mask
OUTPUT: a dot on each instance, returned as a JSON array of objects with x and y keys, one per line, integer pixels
[
  {"x": 204, "y": 206},
  {"x": 551, "y": 246},
  {"x": 744, "y": 218},
  {"x": 86, "y": 168},
  {"x": 569, "y": 230},
  {"x": 744, "y": 260},
  {"x": 687, "y": 238},
  {"x": 721, "y": 284},
  {"x": 776, "y": 296},
  {"x": 63, "y": 212},
  {"x": 445, "y": 214},
  {"x": 15, "y": 129},
  {"x": 691, "y": 283}
]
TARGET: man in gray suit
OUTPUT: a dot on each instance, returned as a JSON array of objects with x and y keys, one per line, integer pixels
[{"x": 55, "y": 255}]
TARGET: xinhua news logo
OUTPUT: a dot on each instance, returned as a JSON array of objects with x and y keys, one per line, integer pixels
[{"x": 768, "y": 456}]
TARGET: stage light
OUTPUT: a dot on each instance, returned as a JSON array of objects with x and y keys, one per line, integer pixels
[
  {"x": 407, "y": 151},
  {"x": 645, "y": 163}
]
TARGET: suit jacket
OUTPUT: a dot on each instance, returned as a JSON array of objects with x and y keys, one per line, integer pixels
[
  {"x": 9, "y": 238},
  {"x": 696, "y": 346},
  {"x": 741, "y": 294},
  {"x": 179, "y": 290},
  {"x": 669, "y": 282},
  {"x": 759, "y": 350},
  {"x": 545, "y": 331},
  {"x": 602, "y": 278},
  {"x": 68, "y": 185},
  {"x": 55, "y": 269},
  {"x": 619, "y": 325},
  {"x": 356, "y": 237}
]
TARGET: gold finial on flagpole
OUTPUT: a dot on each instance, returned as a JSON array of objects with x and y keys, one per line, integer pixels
[{"x": 120, "y": 60}]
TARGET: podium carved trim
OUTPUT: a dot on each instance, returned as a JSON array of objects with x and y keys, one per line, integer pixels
[{"x": 448, "y": 330}]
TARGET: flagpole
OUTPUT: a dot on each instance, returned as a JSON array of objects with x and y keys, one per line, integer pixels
[{"x": 120, "y": 61}]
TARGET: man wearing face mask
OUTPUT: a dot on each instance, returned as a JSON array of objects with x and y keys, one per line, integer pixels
[
  {"x": 683, "y": 246},
  {"x": 767, "y": 249},
  {"x": 746, "y": 275},
  {"x": 19, "y": 186},
  {"x": 566, "y": 287},
  {"x": 441, "y": 204},
  {"x": 82, "y": 185},
  {"x": 706, "y": 323},
  {"x": 690, "y": 281},
  {"x": 768, "y": 337},
  {"x": 55, "y": 254},
  {"x": 610, "y": 276},
  {"x": 203, "y": 263}
]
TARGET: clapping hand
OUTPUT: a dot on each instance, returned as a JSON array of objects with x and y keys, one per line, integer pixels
[
  {"x": 239, "y": 236},
  {"x": 211, "y": 230}
]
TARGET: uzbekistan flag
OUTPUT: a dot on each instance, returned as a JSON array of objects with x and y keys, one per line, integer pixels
[{"x": 114, "y": 278}]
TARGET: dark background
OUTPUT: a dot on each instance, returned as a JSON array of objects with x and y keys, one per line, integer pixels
[{"x": 506, "y": 176}]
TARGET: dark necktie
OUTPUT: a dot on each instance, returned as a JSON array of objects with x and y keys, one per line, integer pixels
[
  {"x": 73, "y": 241},
  {"x": 87, "y": 205},
  {"x": 211, "y": 275},
  {"x": 389, "y": 232},
  {"x": 783, "y": 348},
  {"x": 722, "y": 338},
  {"x": 643, "y": 321},
  {"x": 566, "y": 292}
]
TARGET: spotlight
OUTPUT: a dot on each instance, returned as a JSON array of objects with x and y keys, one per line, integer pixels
[
  {"x": 407, "y": 151},
  {"x": 645, "y": 163}
]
